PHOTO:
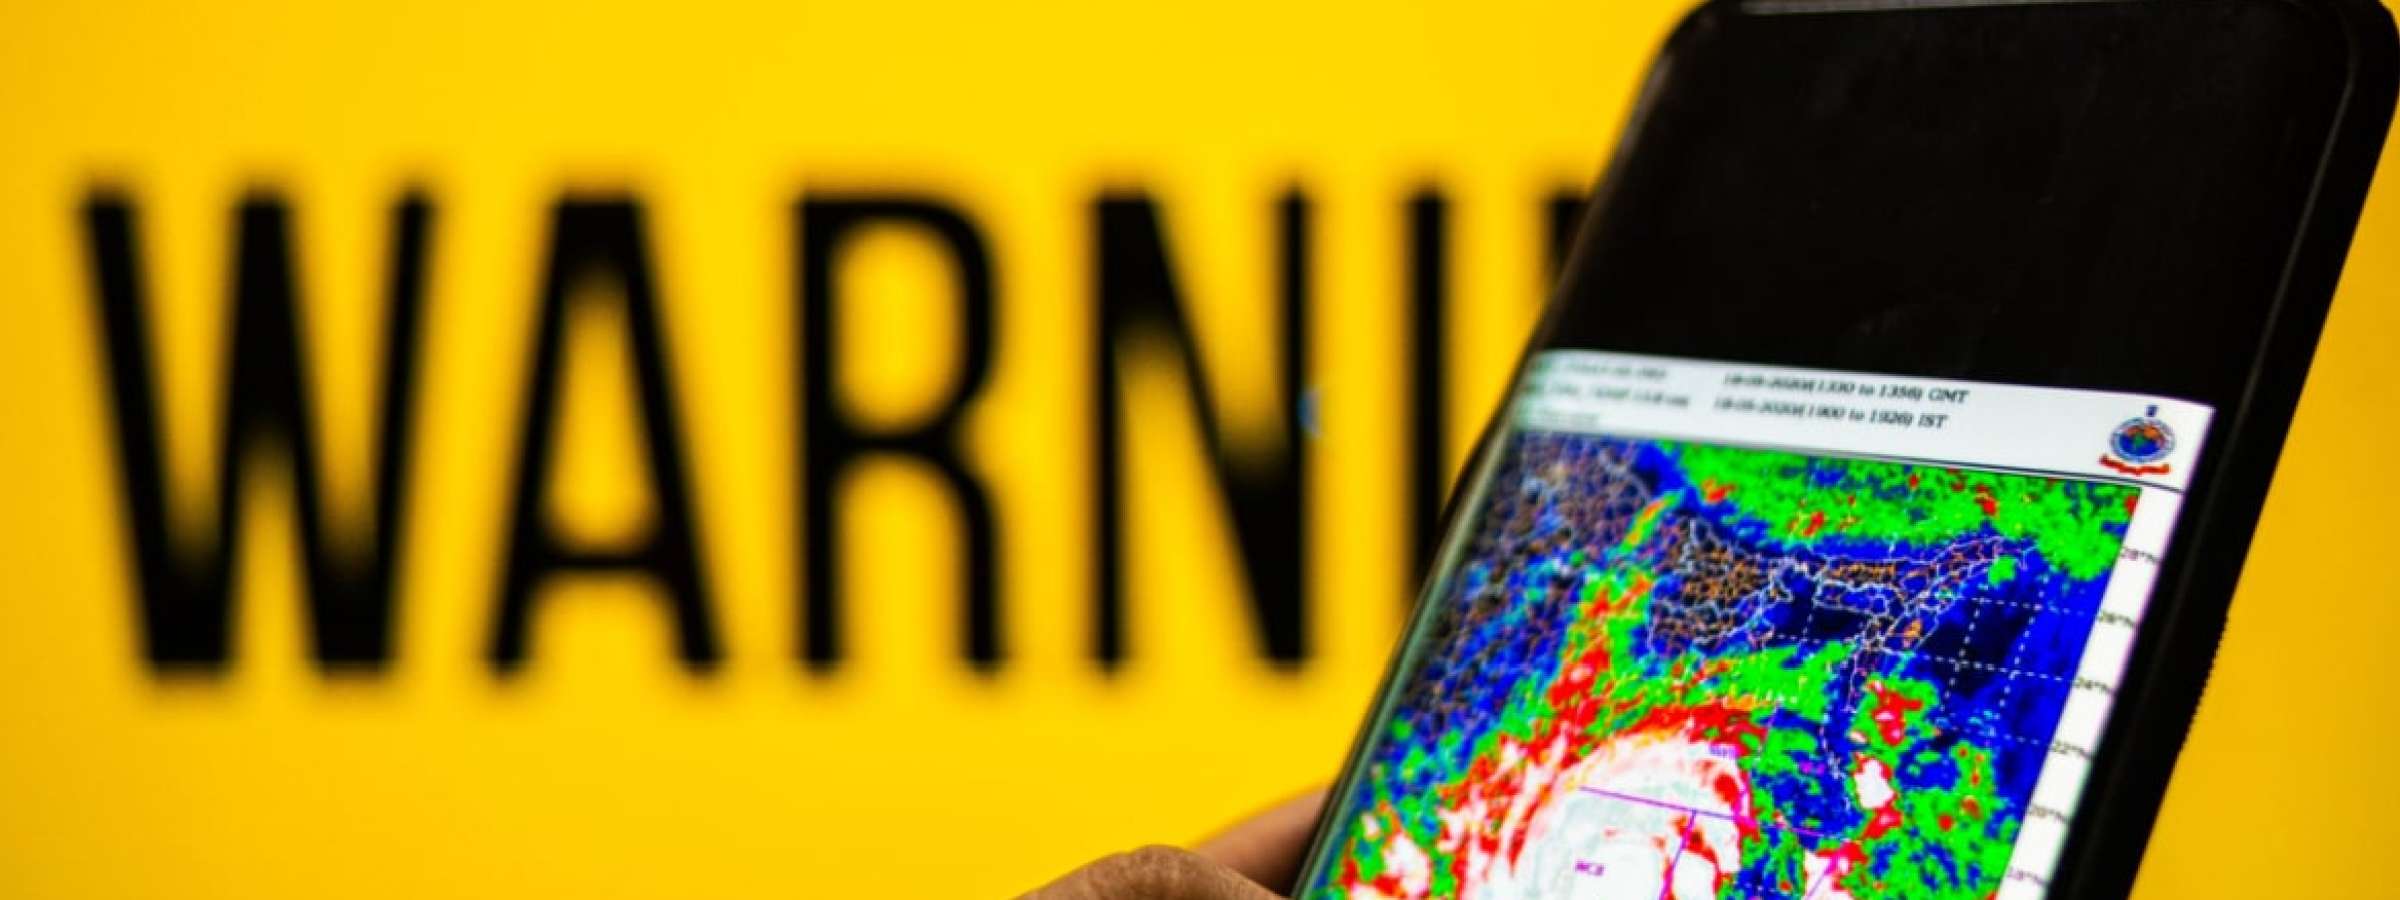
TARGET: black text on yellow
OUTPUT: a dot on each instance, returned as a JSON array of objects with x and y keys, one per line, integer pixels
[{"x": 184, "y": 576}]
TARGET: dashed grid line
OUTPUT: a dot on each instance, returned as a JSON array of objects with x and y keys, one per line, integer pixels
[
  {"x": 2010, "y": 671},
  {"x": 1851, "y": 672},
  {"x": 1973, "y": 613},
  {"x": 2036, "y": 607}
]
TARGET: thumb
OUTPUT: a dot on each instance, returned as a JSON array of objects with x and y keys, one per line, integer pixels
[
  {"x": 1267, "y": 848},
  {"x": 1152, "y": 873}
]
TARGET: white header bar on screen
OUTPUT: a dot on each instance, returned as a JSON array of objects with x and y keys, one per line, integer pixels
[{"x": 2105, "y": 435}]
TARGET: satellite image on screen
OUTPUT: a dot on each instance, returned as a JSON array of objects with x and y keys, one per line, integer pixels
[{"x": 1666, "y": 669}]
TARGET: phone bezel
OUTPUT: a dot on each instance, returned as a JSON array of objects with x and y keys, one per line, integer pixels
[{"x": 2177, "y": 641}]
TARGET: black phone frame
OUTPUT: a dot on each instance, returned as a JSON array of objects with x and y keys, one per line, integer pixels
[{"x": 2177, "y": 640}]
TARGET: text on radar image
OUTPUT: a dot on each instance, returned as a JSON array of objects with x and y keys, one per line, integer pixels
[{"x": 1675, "y": 670}]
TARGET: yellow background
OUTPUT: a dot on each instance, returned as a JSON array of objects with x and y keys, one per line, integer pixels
[{"x": 606, "y": 771}]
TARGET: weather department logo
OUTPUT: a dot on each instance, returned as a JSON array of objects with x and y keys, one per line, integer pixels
[{"x": 2140, "y": 445}]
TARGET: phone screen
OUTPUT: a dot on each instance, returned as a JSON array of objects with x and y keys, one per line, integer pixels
[
  {"x": 1716, "y": 629},
  {"x": 1810, "y": 555}
]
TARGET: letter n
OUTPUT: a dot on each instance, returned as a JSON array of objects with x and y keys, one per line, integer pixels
[{"x": 1136, "y": 292}]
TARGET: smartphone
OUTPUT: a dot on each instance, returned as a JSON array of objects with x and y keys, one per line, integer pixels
[{"x": 1864, "y": 513}]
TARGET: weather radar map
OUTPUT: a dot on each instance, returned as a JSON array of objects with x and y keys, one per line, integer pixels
[{"x": 1672, "y": 669}]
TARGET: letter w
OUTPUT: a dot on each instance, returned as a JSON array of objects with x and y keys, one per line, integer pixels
[{"x": 186, "y": 603}]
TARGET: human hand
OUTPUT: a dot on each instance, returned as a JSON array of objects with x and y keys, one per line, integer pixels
[{"x": 1235, "y": 865}]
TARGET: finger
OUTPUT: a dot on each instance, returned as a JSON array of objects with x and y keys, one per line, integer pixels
[
  {"x": 1152, "y": 873},
  {"x": 1267, "y": 848}
]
